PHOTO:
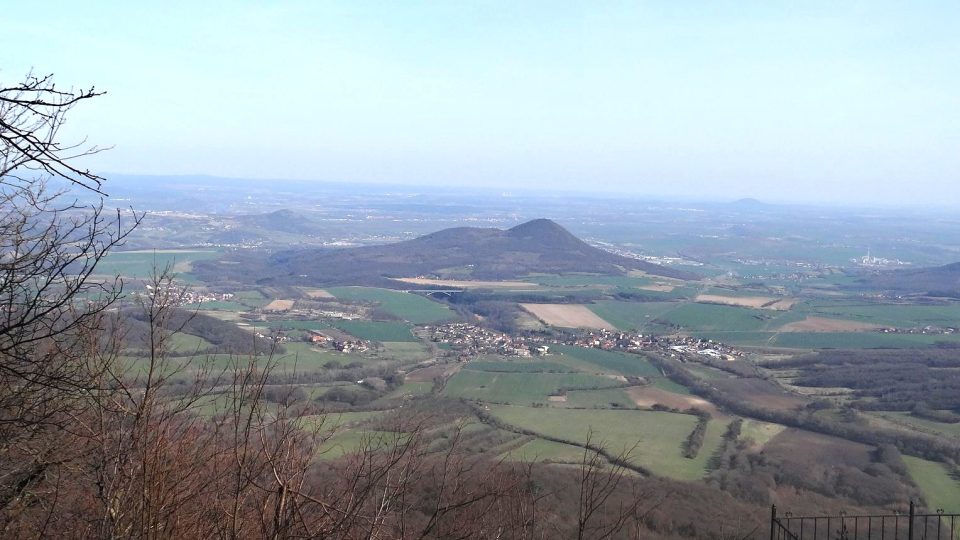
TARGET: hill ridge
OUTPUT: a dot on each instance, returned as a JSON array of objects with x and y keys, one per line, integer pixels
[{"x": 536, "y": 246}]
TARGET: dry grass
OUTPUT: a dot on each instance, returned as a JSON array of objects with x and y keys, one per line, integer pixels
[
  {"x": 648, "y": 396},
  {"x": 755, "y": 302},
  {"x": 657, "y": 287},
  {"x": 317, "y": 293},
  {"x": 760, "y": 393},
  {"x": 428, "y": 374},
  {"x": 823, "y": 324},
  {"x": 279, "y": 305},
  {"x": 470, "y": 284},
  {"x": 567, "y": 315}
]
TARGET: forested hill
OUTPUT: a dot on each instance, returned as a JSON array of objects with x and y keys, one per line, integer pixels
[
  {"x": 538, "y": 246},
  {"x": 936, "y": 281}
]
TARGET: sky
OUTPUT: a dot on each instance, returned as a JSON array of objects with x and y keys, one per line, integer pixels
[{"x": 834, "y": 101}]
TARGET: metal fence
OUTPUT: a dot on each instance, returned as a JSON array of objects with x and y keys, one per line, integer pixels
[{"x": 897, "y": 526}]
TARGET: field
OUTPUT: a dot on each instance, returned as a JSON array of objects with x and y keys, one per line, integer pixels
[
  {"x": 279, "y": 305},
  {"x": 658, "y": 436},
  {"x": 407, "y": 306},
  {"x": 759, "y": 432},
  {"x": 406, "y": 351},
  {"x": 823, "y": 324},
  {"x": 606, "y": 361},
  {"x": 317, "y": 294},
  {"x": 567, "y": 315},
  {"x": 899, "y": 315},
  {"x": 829, "y": 340},
  {"x": 376, "y": 330},
  {"x": 756, "y": 302},
  {"x": 648, "y": 396},
  {"x": 587, "y": 280},
  {"x": 470, "y": 284},
  {"x": 522, "y": 388},
  {"x": 141, "y": 264},
  {"x": 545, "y": 451},
  {"x": 632, "y": 315},
  {"x": 760, "y": 393},
  {"x": 919, "y": 424},
  {"x": 939, "y": 487}
]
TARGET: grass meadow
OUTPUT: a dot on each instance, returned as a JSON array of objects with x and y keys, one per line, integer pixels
[{"x": 407, "y": 306}]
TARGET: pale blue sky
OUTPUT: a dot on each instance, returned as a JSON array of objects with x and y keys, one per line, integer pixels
[{"x": 829, "y": 101}]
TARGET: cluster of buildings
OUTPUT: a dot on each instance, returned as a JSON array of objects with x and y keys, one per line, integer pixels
[
  {"x": 321, "y": 339},
  {"x": 172, "y": 291},
  {"x": 870, "y": 261},
  {"x": 192, "y": 296},
  {"x": 471, "y": 340},
  {"x": 929, "y": 330},
  {"x": 670, "y": 345}
]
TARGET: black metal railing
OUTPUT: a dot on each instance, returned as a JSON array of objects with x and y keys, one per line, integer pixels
[{"x": 910, "y": 525}]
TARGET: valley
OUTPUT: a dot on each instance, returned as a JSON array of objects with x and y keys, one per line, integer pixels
[{"x": 713, "y": 372}]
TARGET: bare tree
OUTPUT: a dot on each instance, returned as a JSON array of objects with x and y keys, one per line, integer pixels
[
  {"x": 50, "y": 245},
  {"x": 604, "y": 511}
]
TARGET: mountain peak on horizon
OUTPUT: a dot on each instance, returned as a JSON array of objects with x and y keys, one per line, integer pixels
[{"x": 546, "y": 232}]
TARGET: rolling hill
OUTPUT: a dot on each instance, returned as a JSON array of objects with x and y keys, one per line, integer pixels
[
  {"x": 936, "y": 281},
  {"x": 538, "y": 246}
]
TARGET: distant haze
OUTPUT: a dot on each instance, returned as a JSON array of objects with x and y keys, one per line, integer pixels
[{"x": 815, "y": 101}]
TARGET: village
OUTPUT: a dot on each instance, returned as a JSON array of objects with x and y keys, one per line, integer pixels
[{"x": 470, "y": 340}]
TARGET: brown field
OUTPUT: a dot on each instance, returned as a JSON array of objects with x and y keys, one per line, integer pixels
[
  {"x": 760, "y": 392},
  {"x": 756, "y": 302},
  {"x": 567, "y": 315},
  {"x": 470, "y": 284},
  {"x": 824, "y": 450},
  {"x": 657, "y": 287},
  {"x": 648, "y": 396},
  {"x": 317, "y": 293},
  {"x": 429, "y": 373},
  {"x": 183, "y": 267},
  {"x": 823, "y": 324},
  {"x": 279, "y": 305}
]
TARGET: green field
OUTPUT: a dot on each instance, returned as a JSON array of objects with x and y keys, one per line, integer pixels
[
  {"x": 585, "y": 280},
  {"x": 405, "y": 351},
  {"x": 303, "y": 357},
  {"x": 829, "y": 340},
  {"x": 609, "y": 361},
  {"x": 376, "y": 330},
  {"x": 659, "y": 435},
  {"x": 406, "y": 306},
  {"x": 325, "y": 423},
  {"x": 518, "y": 387},
  {"x": 219, "y": 306},
  {"x": 615, "y": 398},
  {"x": 900, "y": 315},
  {"x": 141, "y": 264},
  {"x": 352, "y": 440},
  {"x": 940, "y": 489},
  {"x": 758, "y": 431},
  {"x": 517, "y": 366},
  {"x": 545, "y": 451},
  {"x": 631, "y": 315}
]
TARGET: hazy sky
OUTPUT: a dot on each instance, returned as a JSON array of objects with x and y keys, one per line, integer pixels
[{"x": 829, "y": 101}]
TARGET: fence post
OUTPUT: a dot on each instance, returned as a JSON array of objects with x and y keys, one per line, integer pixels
[
  {"x": 773, "y": 521},
  {"x": 910, "y": 526}
]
